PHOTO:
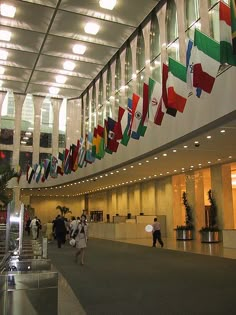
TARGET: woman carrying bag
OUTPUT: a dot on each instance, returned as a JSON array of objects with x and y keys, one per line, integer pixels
[{"x": 81, "y": 239}]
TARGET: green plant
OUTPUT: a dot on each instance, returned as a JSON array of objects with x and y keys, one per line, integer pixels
[
  {"x": 188, "y": 215},
  {"x": 6, "y": 173},
  {"x": 64, "y": 210},
  {"x": 211, "y": 225}
]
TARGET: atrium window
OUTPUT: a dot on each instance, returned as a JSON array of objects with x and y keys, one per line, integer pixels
[
  {"x": 25, "y": 160},
  {"x": 5, "y": 157},
  {"x": 128, "y": 71},
  {"x": 7, "y": 119},
  {"x": 155, "y": 49},
  {"x": 172, "y": 30},
  {"x": 93, "y": 109},
  {"x": 87, "y": 122},
  {"x": 117, "y": 84},
  {"x": 27, "y": 121},
  {"x": 140, "y": 59},
  {"x": 108, "y": 107},
  {"x": 62, "y": 124},
  {"x": 100, "y": 102},
  {"x": 46, "y": 124},
  {"x": 192, "y": 17}
]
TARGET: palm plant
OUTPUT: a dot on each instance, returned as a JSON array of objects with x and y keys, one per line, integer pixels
[
  {"x": 188, "y": 215},
  {"x": 64, "y": 210},
  {"x": 6, "y": 173}
]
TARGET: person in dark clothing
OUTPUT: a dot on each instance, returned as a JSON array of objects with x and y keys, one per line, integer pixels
[
  {"x": 60, "y": 230},
  {"x": 156, "y": 233},
  {"x": 27, "y": 226}
]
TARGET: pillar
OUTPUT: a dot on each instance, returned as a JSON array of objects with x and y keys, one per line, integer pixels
[
  {"x": 38, "y": 101},
  {"x": 56, "y": 103}
]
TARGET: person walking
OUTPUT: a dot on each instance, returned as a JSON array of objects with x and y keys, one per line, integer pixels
[
  {"x": 156, "y": 233},
  {"x": 34, "y": 227},
  {"x": 81, "y": 239},
  {"x": 59, "y": 228}
]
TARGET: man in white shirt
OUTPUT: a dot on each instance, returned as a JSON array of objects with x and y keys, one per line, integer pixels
[
  {"x": 34, "y": 227},
  {"x": 156, "y": 233}
]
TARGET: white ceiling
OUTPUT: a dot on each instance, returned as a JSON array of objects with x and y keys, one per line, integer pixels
[{"x": 44, "y": 32}]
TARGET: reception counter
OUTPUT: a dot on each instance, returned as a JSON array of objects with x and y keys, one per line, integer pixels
[
  {"x": 126, "y": 230},
  {"x": 229, "y": 238}
]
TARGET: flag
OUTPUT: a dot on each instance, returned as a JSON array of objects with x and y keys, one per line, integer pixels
[
  {"x": 112, "y": 143},
  {"x": 169, "y": 111},
  {"x": 39, "y": 172},
  {"x": 75, "y": 157},
  {"x": 177, "y": 91},
  {"x": 60, "y": 159},
  {"x": 30, "y": 174},
  {"x": 136, "y": 118},
  {"x": 47, "y": 165},
  {"x": 89, "y": 143},
  {"x": 226, "y": 46},
  {"x": 155, "y": 113},
  {"x": 81, "y": 154},
  {"x": 126, "y": 124},
  {"x": 205, "y": 58},
  {"x": 144, "y": 120},
  {"x": 119, "y": 126},
  {"x": 233, "y": 24},
  {"x": 189, "y": 67},
  {"x": 67, "y": 161},
  {"x": 53, "y": 167}
]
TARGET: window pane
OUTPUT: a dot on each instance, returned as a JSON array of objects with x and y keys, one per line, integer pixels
[
  {"x": 108, "y": 94},
  {"x": 62, "y": 124},
  {"x": 7, "y": 119},
  {"x": 155, "y": 48},
  {"x": 117, "y": 84},
  {"x": 156, "y": 69},
  {"x": 214, "y": 23},
  {"x": 46, "y": 126},
  {"x": 192, "y": 12},
  {"x": 25, "y": 159},
  {"x": 128, "y": 64},
  {"x": 173, "y": 50},
  {"x": 171, "y": 21},
  {"x": 140, "y": 52},
  {"x": 100, "y": 102},
  {"x": 5, "y": 157},
  {"x": 93, "y": 109},
  {"x": 140, "y": 81},
  {"x": 27, "y": 121},
  {"x": 44, "y": 156}
]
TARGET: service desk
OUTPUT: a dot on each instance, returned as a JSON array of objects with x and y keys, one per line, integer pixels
[{"x": 229, "y": 238}]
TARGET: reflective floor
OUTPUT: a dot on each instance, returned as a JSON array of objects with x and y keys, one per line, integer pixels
[{"x": 194, "y": 246}]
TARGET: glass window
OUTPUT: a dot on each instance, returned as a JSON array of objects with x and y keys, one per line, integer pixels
[
  {"x": 108, "y": 110},
  {"x": 87, "y": 113},
  {"x": 25, "y": 159},
  {"x": 192, "y": 12},
  {"x": 93, "y": 109},
  {"x": 155, "y": 47},
  {"x": 117, "y": 85},
  {"x": 82, "y": 116},
  {"x": 128, "y": 71},
  {"x": 156, "y": 69},
  {"x": 140, "y": 57},
  {"x": 100, "y": 101},
  {"x": 7, "y": 119},
  {"x": 172, "y": 30},
  {"x": 27, "y": 121},
  {"x": 46, "y": 125},
  {"x": 44, "y": 156},
  {"x": 62, "y": 124},
  {"x": 214, "y": 22},
  {"x": 5, "y": 157}
]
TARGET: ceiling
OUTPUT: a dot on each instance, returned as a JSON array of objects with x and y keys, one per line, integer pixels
[
  {"x": 215, "y": 147},
  {"x": 43, "y": 33}
]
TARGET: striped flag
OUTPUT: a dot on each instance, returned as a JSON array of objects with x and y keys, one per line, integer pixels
[{"x": 233, "y": 23}]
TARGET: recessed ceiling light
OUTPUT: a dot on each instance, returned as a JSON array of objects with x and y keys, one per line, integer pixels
[
  {"x": 222, "y": 131},
  {"x": 1, "y": 82},
  {"x": 8, "y": 10},
  {"x": 164, "y": 154},
  {"x": 3, "y": 54},
  {"x": 218, "y": 159},
  {"x": 131, "y": 166},
  {"x": 147, "y": 161},
  {"x": 79, "y": 49},
  {"x": 91, "y": 28},
  {"x": 182, "y": 168},
  {"x": 140, "y": 163},
  {"x": 2, "y": 70},
  {"x": 208, "y": 137},
  {"x": 107, "y": 4},
  {"x": 185, "y": 146},
  {"x": 155, "y": 158},
  {"x": 161, "y": 174},
  {"x": 174, "y": 150},
  {"x": 69, "y": 65},
  {"x": 199, "y": 164},
  {"x": 5, "y": 35},
  {"x": 124, "y": 169},
  {"x": 61, "y": 79},
  {"x": 209, "y": 162},
  {"x": 54, "y": 90},
  {"x": 175, "y": 170},
  {"x": 230, "y": 157}
]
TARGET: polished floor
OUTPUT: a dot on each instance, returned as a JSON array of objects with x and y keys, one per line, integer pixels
[{"x": 69, "y": 303}]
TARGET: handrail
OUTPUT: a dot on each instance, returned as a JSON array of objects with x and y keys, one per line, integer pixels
[{"x": 4, "y": 261}]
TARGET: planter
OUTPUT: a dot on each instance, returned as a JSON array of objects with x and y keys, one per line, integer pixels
[
  {"x": 210, "y": 237},
  {"x": 184, "y": 235}
]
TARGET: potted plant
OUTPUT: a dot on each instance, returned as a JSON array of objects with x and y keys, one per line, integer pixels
[
  {"x": 210, "y": 232},
  {"x": 64, "y": 210},
  {"x": 185, "y": 232}
]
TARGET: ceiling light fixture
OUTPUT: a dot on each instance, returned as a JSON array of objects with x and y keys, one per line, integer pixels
[
  {"x": 5, "y": 35},
  {"x": 222, "y": 131},
  {"x": 3, "y": 54},
  {"x": 8, "y": 10},
  {"x": 1, "y": 82},
  {"x": 91, "y": 28},
  {"x": 208, "y": 137},
  {"x": 69, "y": 65},
  {"x": 53, "y": 90},
  {"x": 79, "y": 49},
  {"x": 107, "y": 4},
  {"x": 61, "y": 79}
]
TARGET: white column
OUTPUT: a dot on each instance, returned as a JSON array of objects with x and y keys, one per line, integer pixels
[
  {"x": 2, "y": 97},
  {"x": 19, "y": 100},
  {"x": 73, "y": 122},
  {"x": 38, "y": 101},
  {"x": 56, "y": 103}
]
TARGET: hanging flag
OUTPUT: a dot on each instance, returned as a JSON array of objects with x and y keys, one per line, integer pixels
[
  {"x": 67, "y": 161},
  {"x": 144, "y": 120},
  {"x": 75, "y": 157},
  {"x": 127, "y": 124},
  {"x": 53, "y": 167},
  {"x": 233, "y": 24},
  {"x": 119, "y": 127},
  {"x": 30, "y": 174},
  {"x": 226, "y": 46},
  {"x": 82, "y": 152},
  {"x": 47, "y": 165},
  {"x": 205, "y": 58},
  {"x": 177, "y": 92},
  {"x": 155, "y": 111},
  {"x": 60, "y": 160},
  {"x": 170, "y": 111},
  {"x": 136, "y": 118},
  {"x": 38, "y": 173},
  {"x": 89, "y": 143},
  {"x": 112, "y": 143}
]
